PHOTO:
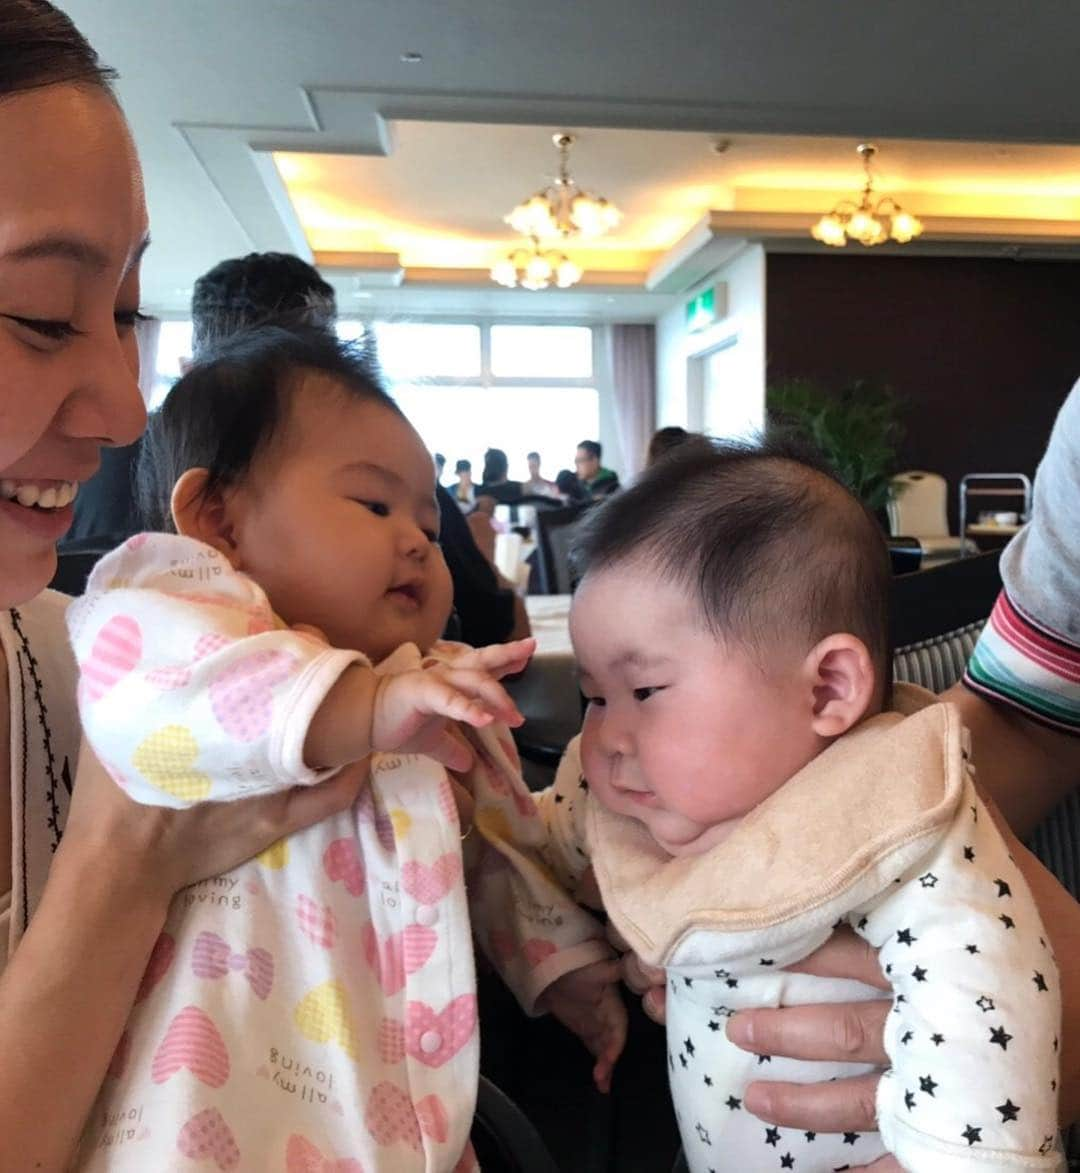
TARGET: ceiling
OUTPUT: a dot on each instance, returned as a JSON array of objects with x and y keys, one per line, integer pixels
[{"x": 413, "y": 165}]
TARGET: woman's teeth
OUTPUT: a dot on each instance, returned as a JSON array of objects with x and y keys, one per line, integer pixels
[{"x": 47, "y": 497}]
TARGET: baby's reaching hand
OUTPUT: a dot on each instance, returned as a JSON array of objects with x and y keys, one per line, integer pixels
[
  {"x": 587, "y": 1002},
  {"x": 408, "y": 711}
]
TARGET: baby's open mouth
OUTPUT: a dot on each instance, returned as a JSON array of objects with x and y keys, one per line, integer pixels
[{"x": 407, "y": 590}]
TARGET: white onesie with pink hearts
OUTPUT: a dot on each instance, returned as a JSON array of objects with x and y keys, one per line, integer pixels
[{"x": 315, "y": 1008}]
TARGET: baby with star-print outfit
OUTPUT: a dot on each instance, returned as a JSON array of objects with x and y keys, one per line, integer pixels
[{"x": 747, "y": 779}]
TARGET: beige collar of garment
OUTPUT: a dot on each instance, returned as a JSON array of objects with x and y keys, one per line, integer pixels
[{"x": 877, "y": 799}]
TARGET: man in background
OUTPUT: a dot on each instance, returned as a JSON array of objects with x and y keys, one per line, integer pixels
[{"x": 598, "y": 481}]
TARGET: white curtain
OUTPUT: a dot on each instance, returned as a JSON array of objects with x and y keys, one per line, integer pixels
[
  {"x": 147, "y": 333},
  {"x": 633, "y": 377}
]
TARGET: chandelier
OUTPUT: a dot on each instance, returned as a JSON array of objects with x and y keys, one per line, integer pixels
[
  {"x": 533, "y": 267},
  {"x": 869, "y": 221},
  {"x": 563, "y": 209}
]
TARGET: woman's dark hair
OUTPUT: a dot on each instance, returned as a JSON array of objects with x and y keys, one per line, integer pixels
[
  {"x": 496, "y": 466},
  {"x": 40, "y": 46},
  {"x": 229, "y": 406},
  {"x": 463, "y": 466}
]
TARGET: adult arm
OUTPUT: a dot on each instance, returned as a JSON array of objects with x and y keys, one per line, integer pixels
[{"x": 69, "y": 987}]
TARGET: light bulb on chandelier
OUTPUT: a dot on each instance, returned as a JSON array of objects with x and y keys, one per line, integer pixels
[
  {"x": 564, "y": 209},
  {"x": 533, "y": 267},
  {"x": 869, "y": 221}
]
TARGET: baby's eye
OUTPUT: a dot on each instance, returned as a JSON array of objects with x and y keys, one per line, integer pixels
[
  {"x": 596, "y": 701},
  {"x": 431, "y": 536},
  {"x": 379, "y": 508},
  {"x": 129, "y": 319},
  {"x": 643, "y": 694}
]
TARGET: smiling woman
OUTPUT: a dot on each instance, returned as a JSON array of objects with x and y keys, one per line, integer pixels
[{"x": 72, "y": 232}]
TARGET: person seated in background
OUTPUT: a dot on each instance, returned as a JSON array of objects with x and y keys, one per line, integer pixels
[
  {"x": 747, "y": 778},
  {"x": 464, "y": 492},
  {"x": 598, "y": 481},
  {"x": 569, "y": 488},
  {"x": 536, "y": 484},
  {"x": 234, "y": 294},
  {"x": 496, "y": 482},
  {"x": 440, "y": 467}
]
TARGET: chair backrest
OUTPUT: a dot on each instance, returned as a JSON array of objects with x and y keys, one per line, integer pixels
[
  {"x": 504, "y": 1138},
  {"x": 74, "y": 563},
  {"x": 918, "y": 505},
  {"x": 942, "y": 599},
  {"x": 555, "y": 531}
]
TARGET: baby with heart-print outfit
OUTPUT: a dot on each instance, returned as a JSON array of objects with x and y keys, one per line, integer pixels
[
  {"x": 746, "y": 779},
  {"x": 315, "y": 1009}
]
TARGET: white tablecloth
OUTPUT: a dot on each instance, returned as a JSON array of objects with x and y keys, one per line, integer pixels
[{"x": 547, "y": 693}]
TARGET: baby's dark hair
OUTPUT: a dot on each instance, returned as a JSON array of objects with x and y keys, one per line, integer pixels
[
  {"x": 763, "y": 536},
  {"x": 225, "y": 411}
]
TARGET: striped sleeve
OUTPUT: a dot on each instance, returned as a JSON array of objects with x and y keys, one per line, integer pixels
[
  {"x": 1028, "y": 667},
  {"x": 1028, "y": 655}
]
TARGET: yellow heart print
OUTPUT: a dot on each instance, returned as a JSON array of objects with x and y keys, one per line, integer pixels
[
  {"x": 167, "y": 758},
  {"x": 323, "y": 1017}
]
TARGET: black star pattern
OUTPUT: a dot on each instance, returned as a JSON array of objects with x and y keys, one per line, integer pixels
[
  {"x": 721, "y": 973},
  {"x": 559, "y": 798},
  {"x": 732, "y": 983},
  {"x": 850, "y": 1137},
  {"x": 909, "y": 1100},
  {"x": 787, "y": 1161},
  {"x": 904, "y": 937},
  {"x": 929, "y": 880},
  {"x": 937, "y": 1039},
  {"x": 863, "y": 922},
  {"x": 582, "y": 783},
  {"x": 972, "y": 1135},
  {"x": 969, "y": 854},
  {"x": 723, "y": 1011},
  {"x": 689, "y": 1045},
  {"x": 688, "y": 983},
  {"x": 1009, "y": 1111},
  {"x": 1000, "y": 1037},
  {"x": 927, "y": 1084},
  {"x": 888, "y": 969},
  {"x": 764, "y": 1059},
  {"x": 766, "y": 961},
  {"x": 708, "y": 1080},
  {"x": 984, "y": 1003},
  {"x": 1003, "y": 888},
  {"x": 713, "y": 1025},
  {"x": 772, "y": 1136},
  {"x": 703, "y": 1135},
  {"x": 682, "y": 1060},
  {"x": 972, "y": 949},
  {"x": 734, "y": 1103},
  {"x": 1040, "y": 982},
  {"x": 919, "y": 974},
  {"x": 1007, "y": 921},
  {"x": 907, "y": 1036},
  {"x": 810, "y": 1136}
]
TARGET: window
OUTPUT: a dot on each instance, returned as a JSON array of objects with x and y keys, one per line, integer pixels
[
  {"x": 467, "y": 387},
  {"x": 174, "y": 344}
]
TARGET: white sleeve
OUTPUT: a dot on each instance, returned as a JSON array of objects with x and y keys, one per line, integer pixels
[
  {"x": 973, "y": 1033},
  {"x": 562, "y": 810},
  {"x": 189, "y": 688}
]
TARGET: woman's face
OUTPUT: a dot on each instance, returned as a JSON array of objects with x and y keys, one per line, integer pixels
[{"x": 72, "y": 231}]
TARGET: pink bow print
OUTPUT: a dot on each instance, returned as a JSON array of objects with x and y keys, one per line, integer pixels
[{"x": 212, "y": 958}]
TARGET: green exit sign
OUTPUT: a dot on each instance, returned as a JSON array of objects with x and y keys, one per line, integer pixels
[{"x": 701, "y": 311}]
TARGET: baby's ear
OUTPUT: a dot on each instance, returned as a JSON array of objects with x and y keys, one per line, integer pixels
[
  {"x": 203, "y": 515},
  {"x": 841, "y": 674}
]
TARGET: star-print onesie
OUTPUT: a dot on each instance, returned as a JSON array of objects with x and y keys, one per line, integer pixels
[
  {"x": 315, "y": 1008},
  {"x": 884, "y": 831}
]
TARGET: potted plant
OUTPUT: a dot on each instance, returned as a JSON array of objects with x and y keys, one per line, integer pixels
[{"x": 857, "y": 428}]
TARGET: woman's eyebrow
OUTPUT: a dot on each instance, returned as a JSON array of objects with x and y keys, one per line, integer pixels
[{"x": 72, "y": 248}]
